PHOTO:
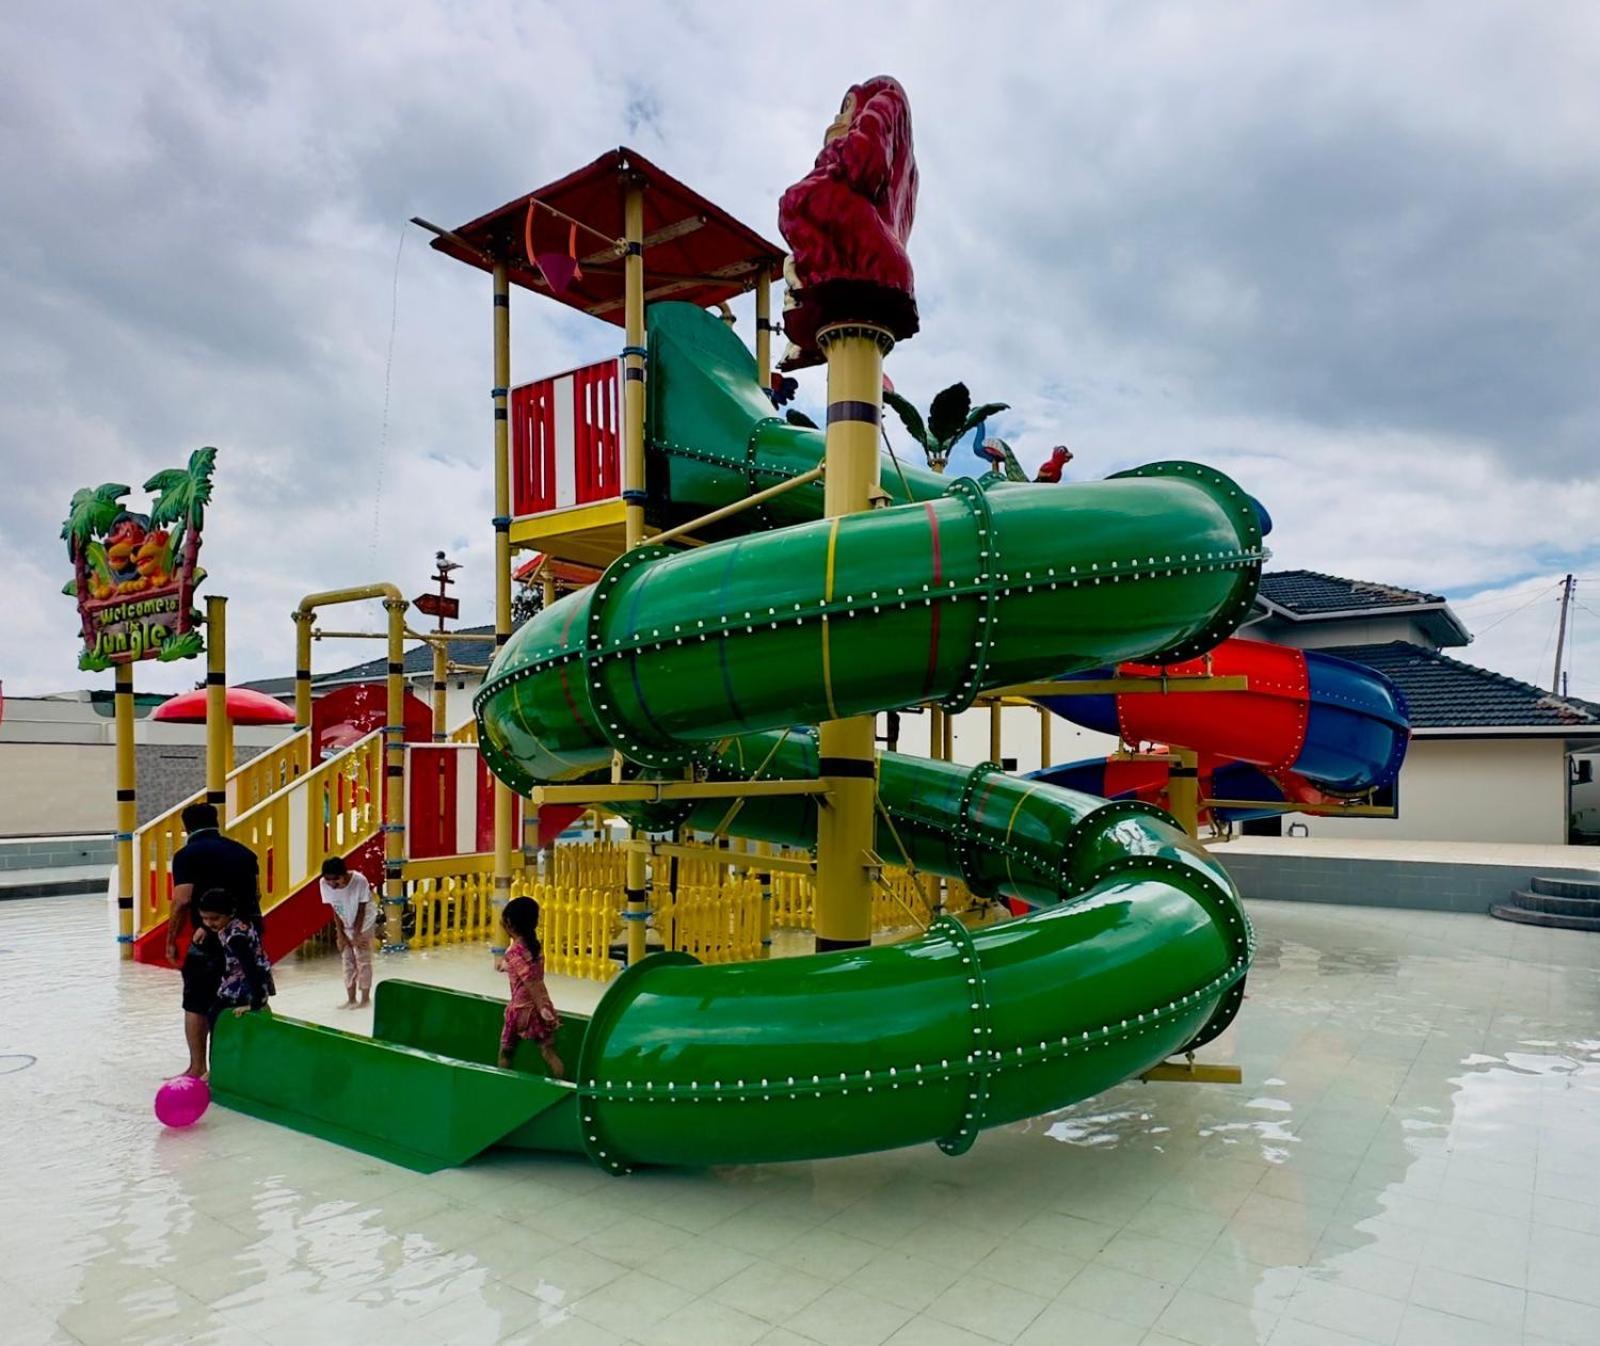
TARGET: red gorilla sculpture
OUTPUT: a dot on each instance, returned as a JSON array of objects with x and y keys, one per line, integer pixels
[{"x": 848, "y": 219}]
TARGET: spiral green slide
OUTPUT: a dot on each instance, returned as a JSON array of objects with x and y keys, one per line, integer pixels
[{"x": 718, "y": 659}]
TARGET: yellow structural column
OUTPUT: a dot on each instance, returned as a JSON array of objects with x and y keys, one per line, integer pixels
[
  {"x": 217, "y": 703},
  {"x": 1044, "y": 738},
  {"x": 636, "y": 882},
  {"x": 441, "y": 667},
  {"x": 303, "y": 619},
  {"x": 846, "y": 823},
  {"x": 996, "y": 744},
  {"x": 394, "y": 773},
  {"x": 127, "y": 807},
  {"x": 1183, "y": 790},
  {"x": 764, "y": 327},
  {"x": 501, "y": 893}
]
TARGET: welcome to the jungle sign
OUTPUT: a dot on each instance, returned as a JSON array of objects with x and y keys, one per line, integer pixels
[{"x": 134, "y": 575}]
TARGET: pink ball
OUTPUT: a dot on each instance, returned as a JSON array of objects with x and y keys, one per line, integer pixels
[{"x": 182, "y": 1101}]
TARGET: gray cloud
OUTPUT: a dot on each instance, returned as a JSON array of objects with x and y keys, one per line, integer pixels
[{"x": 1345, "y": 253}]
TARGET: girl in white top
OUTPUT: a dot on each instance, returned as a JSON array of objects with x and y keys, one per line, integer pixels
[{"x": 355, "y": 917}]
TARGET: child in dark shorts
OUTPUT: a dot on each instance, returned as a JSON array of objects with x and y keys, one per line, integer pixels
[{"x": 245, "y": 979}]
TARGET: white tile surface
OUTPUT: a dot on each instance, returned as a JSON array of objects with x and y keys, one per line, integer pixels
[{"x": 1414, "y": 1158}]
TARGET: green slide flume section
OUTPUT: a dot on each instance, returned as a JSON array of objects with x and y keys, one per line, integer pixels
[{"x": 719, "y": 659}]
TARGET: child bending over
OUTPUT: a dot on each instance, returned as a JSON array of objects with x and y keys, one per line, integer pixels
[
  {"x": 531, "y": 1013},
  {"x": 246, "y": 972}
]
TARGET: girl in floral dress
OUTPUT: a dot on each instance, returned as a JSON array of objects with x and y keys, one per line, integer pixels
[{"x": 531, "y": 1013}]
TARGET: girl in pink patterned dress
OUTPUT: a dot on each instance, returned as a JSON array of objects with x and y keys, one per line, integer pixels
[{"x": 531, "y": 1013}]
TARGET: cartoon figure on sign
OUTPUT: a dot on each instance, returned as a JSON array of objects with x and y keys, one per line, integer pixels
[
  {"x": 134, "y": 578},
  {"x": 847, "y": 222}
]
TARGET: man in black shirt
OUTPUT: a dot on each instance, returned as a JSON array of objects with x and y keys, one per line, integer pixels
[{"x": 208, "y": 860}]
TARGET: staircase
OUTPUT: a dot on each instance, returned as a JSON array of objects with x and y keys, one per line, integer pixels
[
  {"x": 1561, "y": 904},
  {"x": 295, "y": 815}
]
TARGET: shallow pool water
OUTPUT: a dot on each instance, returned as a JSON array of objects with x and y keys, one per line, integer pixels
[{"x": 1413, "y": 1158}]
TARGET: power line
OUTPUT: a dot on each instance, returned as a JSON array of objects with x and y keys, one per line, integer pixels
[{"x": 1543, "y": 593}]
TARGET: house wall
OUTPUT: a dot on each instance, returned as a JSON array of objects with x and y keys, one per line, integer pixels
[
  {"x": 1512, "y": 789},
  {"x": 1320, "y": 633}
]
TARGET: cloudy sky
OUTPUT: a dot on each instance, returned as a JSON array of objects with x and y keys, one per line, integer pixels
[{"x": 1348, "y": 253}]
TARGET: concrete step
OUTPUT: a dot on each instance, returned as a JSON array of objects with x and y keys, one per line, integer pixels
[
  {"x": 57, "y": 881},
  {"x": 1523, "y": 916},
  {"x": 1550, "y": 887},
  {"x": 1556, "y": 906}
]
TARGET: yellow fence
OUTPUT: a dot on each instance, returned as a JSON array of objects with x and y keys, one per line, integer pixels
[
  {"x": 702, "y": 907},
  {"x": 451, "y": 902},
  {"x": 158, "y": 840}
]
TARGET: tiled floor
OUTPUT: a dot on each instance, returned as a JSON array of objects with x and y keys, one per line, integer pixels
[{"x": 1414, "y": 1158}]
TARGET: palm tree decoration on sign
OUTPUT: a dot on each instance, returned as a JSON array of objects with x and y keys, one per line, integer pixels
[
  {"x": 91, "y": 515},
  {"x": 182, "y": 496},
  {"x": 951, "y": 415}
]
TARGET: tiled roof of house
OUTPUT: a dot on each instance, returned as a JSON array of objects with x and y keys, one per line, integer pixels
[
  {"x": 418, "y": 660},
  {"x": 1309, "y": 592},
  {"x": 1444, "y": 693}
]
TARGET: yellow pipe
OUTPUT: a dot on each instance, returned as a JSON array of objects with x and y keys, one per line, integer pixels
[
  {"x": 845, "y": 830},
  {"x": 636, "y": 882},
  {"x": 303, "y": 617},
  {"x": 764, "y": 327},
  {"x": 1045, "y": 757},
  {"x": 394, "y": 770},
  {"x": 127, "y": 807},
  {"x": 501, "y": 892},
  {"x": 547, "y": 590},
  {"x": 994, "y": 732},
  {"x": 441, "y": 667},
  {"x": 217, "y": 703},
  {"x": 726, "y": 511},
  {"x": 948, "y": 748}
]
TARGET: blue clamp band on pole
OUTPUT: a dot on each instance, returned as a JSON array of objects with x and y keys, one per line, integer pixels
[
  {"x": 394, "y": 827},
  {"x": 499, "y": 392},
  {"x": 636, "y": 915},
  {"x": 124, "y": 939},
  {"x": 635, "y": 497},
  {"x": 123, "y": 836},
  {"x": 640, "y": 351},
  {"x": 501, "y": 521},
  {"x": 396, "y": 901}
]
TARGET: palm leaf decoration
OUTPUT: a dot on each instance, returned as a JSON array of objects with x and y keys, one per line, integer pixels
[{"x": 951, "y": 416}]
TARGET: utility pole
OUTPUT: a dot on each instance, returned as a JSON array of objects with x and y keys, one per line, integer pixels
[{"x": 1567, "y": 586}]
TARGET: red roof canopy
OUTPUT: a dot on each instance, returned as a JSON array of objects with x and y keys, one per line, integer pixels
[
  {"x": 693, "y": 250},
  {"x": 244, "y": 707}
]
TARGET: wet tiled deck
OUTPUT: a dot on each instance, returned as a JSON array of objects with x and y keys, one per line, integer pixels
[{"x": 1414, "y": 1158}]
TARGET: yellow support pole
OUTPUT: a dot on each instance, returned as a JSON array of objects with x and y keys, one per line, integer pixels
[
  {"x": 303, "y": 619},
  {"x": 441, "y": 667},
  {"x": 1044, "y": 738},
  {"x": 501, "y": 893},
  {"x": 764, "y": 328},
  {"x": 394, "y": 772},
  {"x": 1183, "y": 790},
  {"x": 636, "y": 883},
  {"x": 995, "y": 731},
  {"x": 127, "y": 807},
  {"x": 947, "y": 749},
  {"x": 846, "y": 828},
  {"x": 935, "y": 732},
  {"x": 217, "y": 703}
]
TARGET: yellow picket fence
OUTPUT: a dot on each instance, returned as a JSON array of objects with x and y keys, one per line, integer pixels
[
  {"x": 701, "y": 906},
  {"x": 451, "y": 902}
]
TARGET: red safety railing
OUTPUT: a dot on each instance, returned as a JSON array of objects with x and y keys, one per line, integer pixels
[{"x": 566, "y": 440}]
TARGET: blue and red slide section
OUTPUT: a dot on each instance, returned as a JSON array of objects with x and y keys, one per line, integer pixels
[{"x": 1311, "y": 729}]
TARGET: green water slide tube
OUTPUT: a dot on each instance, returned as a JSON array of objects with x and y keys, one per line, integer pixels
[{"x": 717, "y": 659}]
